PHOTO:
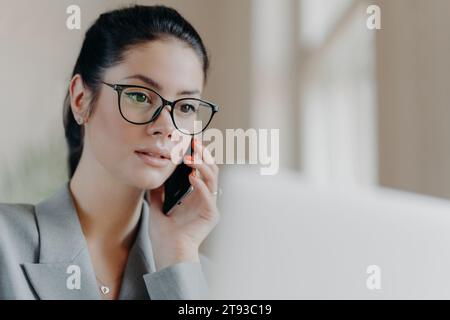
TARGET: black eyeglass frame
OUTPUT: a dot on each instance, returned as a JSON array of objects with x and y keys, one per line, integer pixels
[{"x": 120, "y": 87}]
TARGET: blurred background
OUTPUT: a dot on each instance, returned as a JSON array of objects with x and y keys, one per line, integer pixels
[{"x": 353, "y": 105}]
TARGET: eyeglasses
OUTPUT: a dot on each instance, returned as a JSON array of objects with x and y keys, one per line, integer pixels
[{"x": 140, "y": 105}]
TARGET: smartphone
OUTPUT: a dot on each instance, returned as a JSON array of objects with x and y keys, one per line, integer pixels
[{"x": 177, "y": 186}]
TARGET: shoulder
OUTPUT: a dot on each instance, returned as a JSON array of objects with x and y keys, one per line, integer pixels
[
  {"x": 207, "y": 266},
  {"x": 18, "y": 227},
  {"x": 205, "y": 260},
  {"x": 17, "y": 215}
]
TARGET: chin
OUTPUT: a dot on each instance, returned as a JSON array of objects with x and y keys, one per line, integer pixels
[{"x": 151, "y": 179}]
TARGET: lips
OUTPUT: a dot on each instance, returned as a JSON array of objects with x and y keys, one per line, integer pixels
[
  {"x": 157, "y": 153},
  {"x": 154, "y": 157}
]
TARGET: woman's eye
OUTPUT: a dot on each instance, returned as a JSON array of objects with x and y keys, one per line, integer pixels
[
  {"x": 138, "y": 97},
  {"x": 187, "y": 108}
]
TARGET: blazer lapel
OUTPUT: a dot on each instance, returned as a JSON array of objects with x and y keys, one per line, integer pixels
[
  {"x": 64, "y": 270},
  {"x": 140, "y": 261},
  {"x": 58, "y": 280}
]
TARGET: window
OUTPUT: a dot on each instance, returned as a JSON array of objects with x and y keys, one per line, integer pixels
[{"x": 337, "y": 118}]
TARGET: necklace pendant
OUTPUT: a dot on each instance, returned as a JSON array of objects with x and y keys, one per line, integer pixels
[{"x": 104, "y": 289}]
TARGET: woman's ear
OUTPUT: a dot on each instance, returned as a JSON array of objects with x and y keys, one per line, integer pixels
[{"x": 79, "y": 101}]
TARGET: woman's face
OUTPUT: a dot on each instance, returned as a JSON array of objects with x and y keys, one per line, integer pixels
[{"x": 175, "y": 69}]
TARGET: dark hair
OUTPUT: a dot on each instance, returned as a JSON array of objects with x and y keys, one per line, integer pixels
[{"x": 104, "y": 45}]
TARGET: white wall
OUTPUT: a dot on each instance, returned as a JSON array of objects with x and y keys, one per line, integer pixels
[{"x": 413, "y": 63}]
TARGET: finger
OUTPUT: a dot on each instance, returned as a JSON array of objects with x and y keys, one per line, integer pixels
[
  {"x": 203, "y": 153},
  {"x": 202, "y": 189},
  {"x": 206, "y": 172},
  {"x": 212, "y": 163},
  {"x": 200, "y": 186}
]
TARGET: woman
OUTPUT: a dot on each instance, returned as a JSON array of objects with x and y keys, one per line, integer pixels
[{"x": 103, "y": 233}]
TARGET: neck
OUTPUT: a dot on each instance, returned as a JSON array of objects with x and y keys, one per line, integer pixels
[{"x": 108, "y": 210}]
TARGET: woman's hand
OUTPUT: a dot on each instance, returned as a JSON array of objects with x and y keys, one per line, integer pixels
[{"x": 177, "y": 237}]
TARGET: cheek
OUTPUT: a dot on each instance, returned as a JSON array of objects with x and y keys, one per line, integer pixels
[
  {"x": 110, "y": 136},
  {"x": 113, "y": 141}
]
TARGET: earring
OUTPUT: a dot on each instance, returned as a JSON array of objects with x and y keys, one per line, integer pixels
[{"x": 79, "y": 120}]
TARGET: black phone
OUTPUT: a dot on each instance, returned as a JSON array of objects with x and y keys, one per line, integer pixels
[{"x": 177, "y": 186}]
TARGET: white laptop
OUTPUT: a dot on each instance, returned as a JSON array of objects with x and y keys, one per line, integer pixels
[{"x": 281, "y": 237}]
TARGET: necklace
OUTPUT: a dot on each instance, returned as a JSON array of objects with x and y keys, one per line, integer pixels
[{"x": 104, "y": 289}]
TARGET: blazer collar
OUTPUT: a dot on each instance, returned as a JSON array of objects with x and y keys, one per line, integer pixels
[
  {"x": 62, "y": 245},
  {"x": 140, "y": 261}
]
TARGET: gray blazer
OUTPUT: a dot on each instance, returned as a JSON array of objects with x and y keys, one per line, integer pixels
[{"x": 44, "y": 255}]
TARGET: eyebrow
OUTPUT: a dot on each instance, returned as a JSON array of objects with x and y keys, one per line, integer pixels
[{"x": 152, "y": 83}]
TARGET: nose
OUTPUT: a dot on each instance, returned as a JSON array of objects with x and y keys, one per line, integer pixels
[{"x": 163, "y": 124}]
